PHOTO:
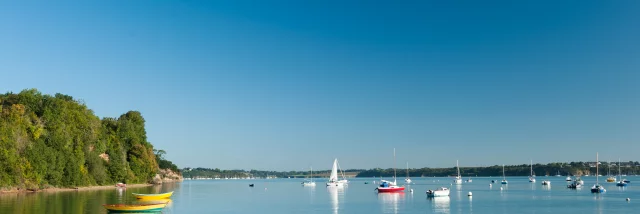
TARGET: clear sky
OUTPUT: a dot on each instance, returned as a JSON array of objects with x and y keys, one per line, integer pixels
[{"x": 284, "y": 85}]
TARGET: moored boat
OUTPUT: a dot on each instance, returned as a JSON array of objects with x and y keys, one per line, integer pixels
[
  {"x": 134, "y": 208},
  {"x": 408, "y": 179},
  {"x": 441, "y": 191},
  {"x": 574, "y": 185},
  {"x": 333, "y": 178},
  {"x": 597, "y": 188},
  {"x": 388, "y": 186},
  {"x": 532, "y": 179},
  {"x": 458, "y": 179},
  {"x": 153, "y": 196},
  {"x": 309, "y": 182},
  {"x": 620, "y": 183},
  {"x": 546, "y": 183},
  {"x": 504, "y": 179}
]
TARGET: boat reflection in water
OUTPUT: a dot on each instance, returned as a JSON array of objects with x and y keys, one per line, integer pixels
[
  {"x": 441, "y": 204},
  {"x": 335, "y": 193},
  {"x": 390, "y": 201}
]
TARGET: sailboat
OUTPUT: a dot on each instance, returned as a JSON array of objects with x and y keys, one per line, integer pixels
[
  {"x": 531, "y": 178},
  {"x": 610, "y": 179},
  {"x": 388, "y": 186},
  {"x": 407, "y": 180},
  {"x": 333, "y": 178},
  {"x": 504, "y": 179},
  {"x": 309, "y": 182},
  {"x": 458, "y": 179},
  {"x": 597, "y": 188},
  {"x": 621, "y": 183}
]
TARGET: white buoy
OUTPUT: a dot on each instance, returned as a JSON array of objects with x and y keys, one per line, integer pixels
[
  {"x": 470, "y": 194},
  {"x": 628, "y": 199}
]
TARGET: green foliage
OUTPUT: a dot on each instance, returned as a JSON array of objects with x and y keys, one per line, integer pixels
[
  {"x": 56, "y": 141},
  {"x": 163, "y": 163}
]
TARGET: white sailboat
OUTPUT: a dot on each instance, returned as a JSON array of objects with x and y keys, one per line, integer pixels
[
  {"x": 309, "y": 182},
  {"x": 333, "y": 178},
  {"x": 504, "y": 179},
  {"x": 407, "y": 180},
  {"x": 458, "y": 179},
  {"x": 531, "y": 178}
]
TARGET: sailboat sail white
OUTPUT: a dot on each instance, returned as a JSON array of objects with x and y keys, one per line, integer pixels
[{"x": 333, "y": 178}]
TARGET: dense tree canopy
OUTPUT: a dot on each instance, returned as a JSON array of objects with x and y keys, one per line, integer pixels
[{"x": 57, "y": 141}]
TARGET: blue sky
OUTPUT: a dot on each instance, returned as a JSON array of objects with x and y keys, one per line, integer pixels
[{"x": 284, "y": 85}]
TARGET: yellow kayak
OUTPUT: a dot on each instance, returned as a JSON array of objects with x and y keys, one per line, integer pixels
[
  {"x": 153, "y": 196},
  {"x": 124, "y": 208}
]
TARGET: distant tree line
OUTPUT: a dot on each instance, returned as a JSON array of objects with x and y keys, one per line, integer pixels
[
  {"x": 218, "y": 173},
  {"x": 572, "y": 168},
  {"x": 56, "y": 141}
]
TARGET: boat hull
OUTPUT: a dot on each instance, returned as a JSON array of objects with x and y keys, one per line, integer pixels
[
  {"x": 121, "y": 208},
  {"x": 438, "y": 194},
  {"x": 390, "y": 189},
  {"x": 153, "y": 196}
]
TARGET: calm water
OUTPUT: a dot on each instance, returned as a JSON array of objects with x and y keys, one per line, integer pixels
[{"x": 288, "y": 196}]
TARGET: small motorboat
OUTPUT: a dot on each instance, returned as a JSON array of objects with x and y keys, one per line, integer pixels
[
  {"x": 574, "y": 185},
  {"x": 621, "y": 184},
  {"x": 442, "y": 191},
  {"x": 626, "y": 181},
  {"x": 493, "y": 181},
  {"x": 545, "y": 183},
  {"x": 121, "y": 185},
  {"x": 366, "y": 182},
  {"x": 568, "y": 178},
  {"x": 135, "y": 208},
  {"x": 250, "y": 185},
  {"x": 153, "y": 196}
]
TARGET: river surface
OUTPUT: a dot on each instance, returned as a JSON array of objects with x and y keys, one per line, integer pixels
[{"x": 288, "y": 196}]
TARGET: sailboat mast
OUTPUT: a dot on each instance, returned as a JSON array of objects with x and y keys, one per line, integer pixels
[
  {"x": 597, "y": 173},
  {"x": 531, "y": 165},
  {"x": 458, "y": 166},
  {"x": 619, "y": 174},
  {"x": 407, "y": 169},
  {"x": 394, "y": 165},
  {"x": 503, "y": 177}
]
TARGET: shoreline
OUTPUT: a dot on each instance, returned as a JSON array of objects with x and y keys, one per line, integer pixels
[{"x": 56, "y": 189}]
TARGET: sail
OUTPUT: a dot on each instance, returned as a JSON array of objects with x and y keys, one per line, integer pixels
[{"x": 334, "y": 171}]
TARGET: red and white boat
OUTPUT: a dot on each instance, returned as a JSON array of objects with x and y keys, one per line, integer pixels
[{"x": 388, "y": 186}]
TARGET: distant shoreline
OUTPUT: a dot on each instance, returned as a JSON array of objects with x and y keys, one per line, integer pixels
[{"x": 56, "y": 189}]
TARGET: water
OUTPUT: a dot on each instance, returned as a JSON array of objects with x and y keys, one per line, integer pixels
[{"x": 288, "y": 196}]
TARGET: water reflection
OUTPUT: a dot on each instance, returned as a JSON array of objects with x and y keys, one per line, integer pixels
[
  {"x": 441, "y": 204},
  {"x": 390, "y": 201},
  {"x": 335, "y": 194},
  {"x": 85, "y": 201}
]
